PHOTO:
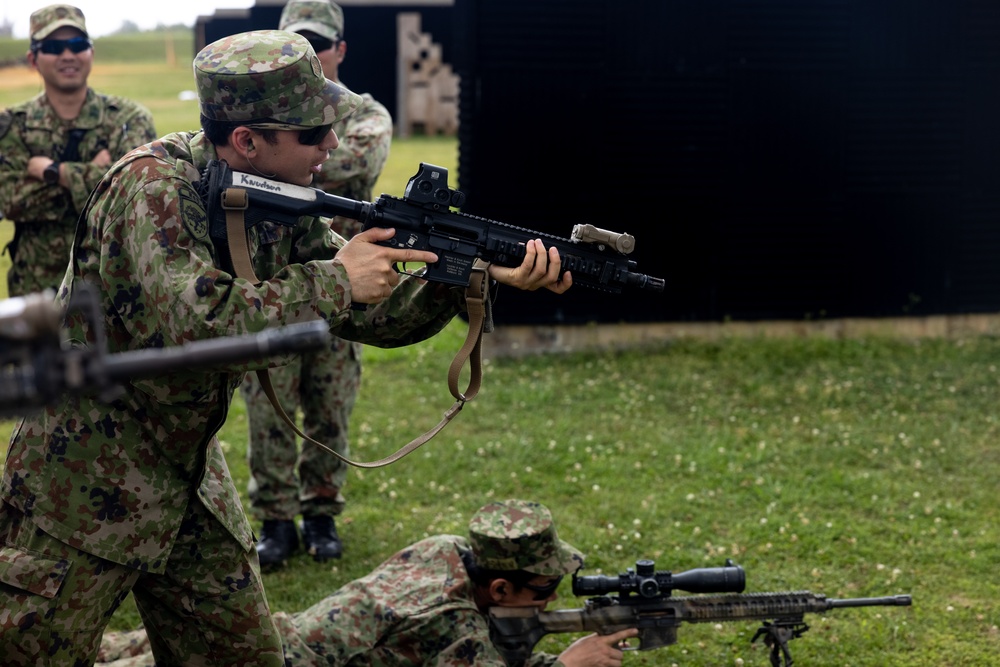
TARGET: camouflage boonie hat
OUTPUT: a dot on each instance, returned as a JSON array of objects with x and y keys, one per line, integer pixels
[
  {"x": 319, "y": 16},
  {"x": 47, "y": 20},
  {"x": 520, "y": 535},
  {"x": 268, "y": 75}
]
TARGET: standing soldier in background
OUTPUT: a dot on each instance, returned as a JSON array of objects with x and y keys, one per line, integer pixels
[
  {"x": 55, "y": 148},
  {"x": 324, "y": 383}
]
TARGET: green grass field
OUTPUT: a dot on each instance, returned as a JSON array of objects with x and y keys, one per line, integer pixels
[{"x": 846, "y": 467}]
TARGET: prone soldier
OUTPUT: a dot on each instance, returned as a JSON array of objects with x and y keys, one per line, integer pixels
[{"x": 427, "y": 604}]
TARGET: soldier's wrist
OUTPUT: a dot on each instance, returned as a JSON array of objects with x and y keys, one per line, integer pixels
[{"x": 51, "y": 174}]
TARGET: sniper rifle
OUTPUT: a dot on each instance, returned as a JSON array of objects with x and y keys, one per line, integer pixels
[{"x": 644, "y": 601}]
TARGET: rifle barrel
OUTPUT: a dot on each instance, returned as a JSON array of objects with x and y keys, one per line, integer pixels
[
  {"x": 203, "y": 353},
  {"x": 887, "y": 601}
]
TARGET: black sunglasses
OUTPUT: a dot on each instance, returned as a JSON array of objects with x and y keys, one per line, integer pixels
[
  {"x": 314, "y": 136},
  {"x": 320, "y": 44},
  {"x": 546, "y": 591},
  {"x": 55, "y": 47}
]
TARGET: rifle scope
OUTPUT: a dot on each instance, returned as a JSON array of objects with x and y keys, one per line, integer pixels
[{"x": 646, "y": 582}]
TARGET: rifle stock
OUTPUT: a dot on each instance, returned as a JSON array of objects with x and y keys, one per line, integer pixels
[{"x": 423, "y": 220}]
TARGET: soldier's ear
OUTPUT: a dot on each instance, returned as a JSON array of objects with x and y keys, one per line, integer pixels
[{"x": 498, "y": 589}]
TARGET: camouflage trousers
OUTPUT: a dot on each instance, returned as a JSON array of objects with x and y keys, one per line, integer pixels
[
  {"x": 208, "y": 608},
  {"x": 283, "y": 481},
  {"x": 131, "y": 649}
]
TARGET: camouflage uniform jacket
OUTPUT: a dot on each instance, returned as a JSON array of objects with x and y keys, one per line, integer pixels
[
  {"x": 355, "y": 165},
  {"x": 33, "y": 128},
  {"x": 114, "y": 478},
  {"x": 417, "y": 608}
]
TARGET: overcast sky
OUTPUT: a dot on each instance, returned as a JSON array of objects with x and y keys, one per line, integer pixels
[{"x": 106, "y": 16}]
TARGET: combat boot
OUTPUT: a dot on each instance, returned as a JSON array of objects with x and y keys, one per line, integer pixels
[
  {"x": 278, "y": 541},
  {"x": 319, "y": 533}
]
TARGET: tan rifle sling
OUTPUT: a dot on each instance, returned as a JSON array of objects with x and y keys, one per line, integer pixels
[
  {"x": 476, "y": 302},
  {"x": 235, "y": 202}
]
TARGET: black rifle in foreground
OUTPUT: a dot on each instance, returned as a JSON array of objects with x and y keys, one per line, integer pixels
[
  {"x": 644, "y": 601},
  {"x": 423, "y": 220},
  {"x": 37, "y": 367}
]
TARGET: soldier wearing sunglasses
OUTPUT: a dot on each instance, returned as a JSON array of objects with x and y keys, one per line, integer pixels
[
  {"x": 106, "y": 495},
  {"x": 56, "y": 147},
  {"x": 428, "y": 604},
  {"x": 285, "y": 482}
]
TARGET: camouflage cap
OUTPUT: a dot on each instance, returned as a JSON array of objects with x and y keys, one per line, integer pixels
[
  {"x": 520, "y": 535},
  {"x": 47, "y": 20},
  {"x": 322, "y": 17},
  {"x": 268, "y": 74}
]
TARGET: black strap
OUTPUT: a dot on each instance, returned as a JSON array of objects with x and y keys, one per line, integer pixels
[{"x": 72, "y": 151}]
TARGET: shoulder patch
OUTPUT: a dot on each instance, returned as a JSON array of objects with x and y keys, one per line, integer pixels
[
  {"x": 6, "y": 120},
  {"x": 193, "y": 214}
]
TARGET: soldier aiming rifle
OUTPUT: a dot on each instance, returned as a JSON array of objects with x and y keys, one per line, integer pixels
[{"x": 645, "y": 601}]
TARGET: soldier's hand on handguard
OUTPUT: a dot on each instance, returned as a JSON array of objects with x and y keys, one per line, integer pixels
[
  {"x": 539, "y": 269},
  {"x": 371, "y": 267},
  {"x": 597, "y": 650}
]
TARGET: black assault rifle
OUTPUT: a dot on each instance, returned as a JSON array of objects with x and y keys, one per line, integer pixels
[
  {"x": 37, "y": 367},
  {"x": 423, "y": 220},
  {"x": 645, "y": 602}
]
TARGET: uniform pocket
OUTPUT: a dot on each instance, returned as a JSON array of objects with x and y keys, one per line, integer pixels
[{"x": 32, "y": 572}]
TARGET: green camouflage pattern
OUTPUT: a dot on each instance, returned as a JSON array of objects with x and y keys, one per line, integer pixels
[
  {"x": 415, "y": 609},
  {"x": 322, "y": 17},
  {"x": 115, "y": 477},
  {"x": 45, "y": 215},
  {"x": 47, "y": 20},
  {"x": 353, "y": 168},
  {"x": 57, "y": 599},
  {"x": 268, "y": 74},
  {"x": 520, "y": 535},
  {"x": 283, "y": 481}
]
